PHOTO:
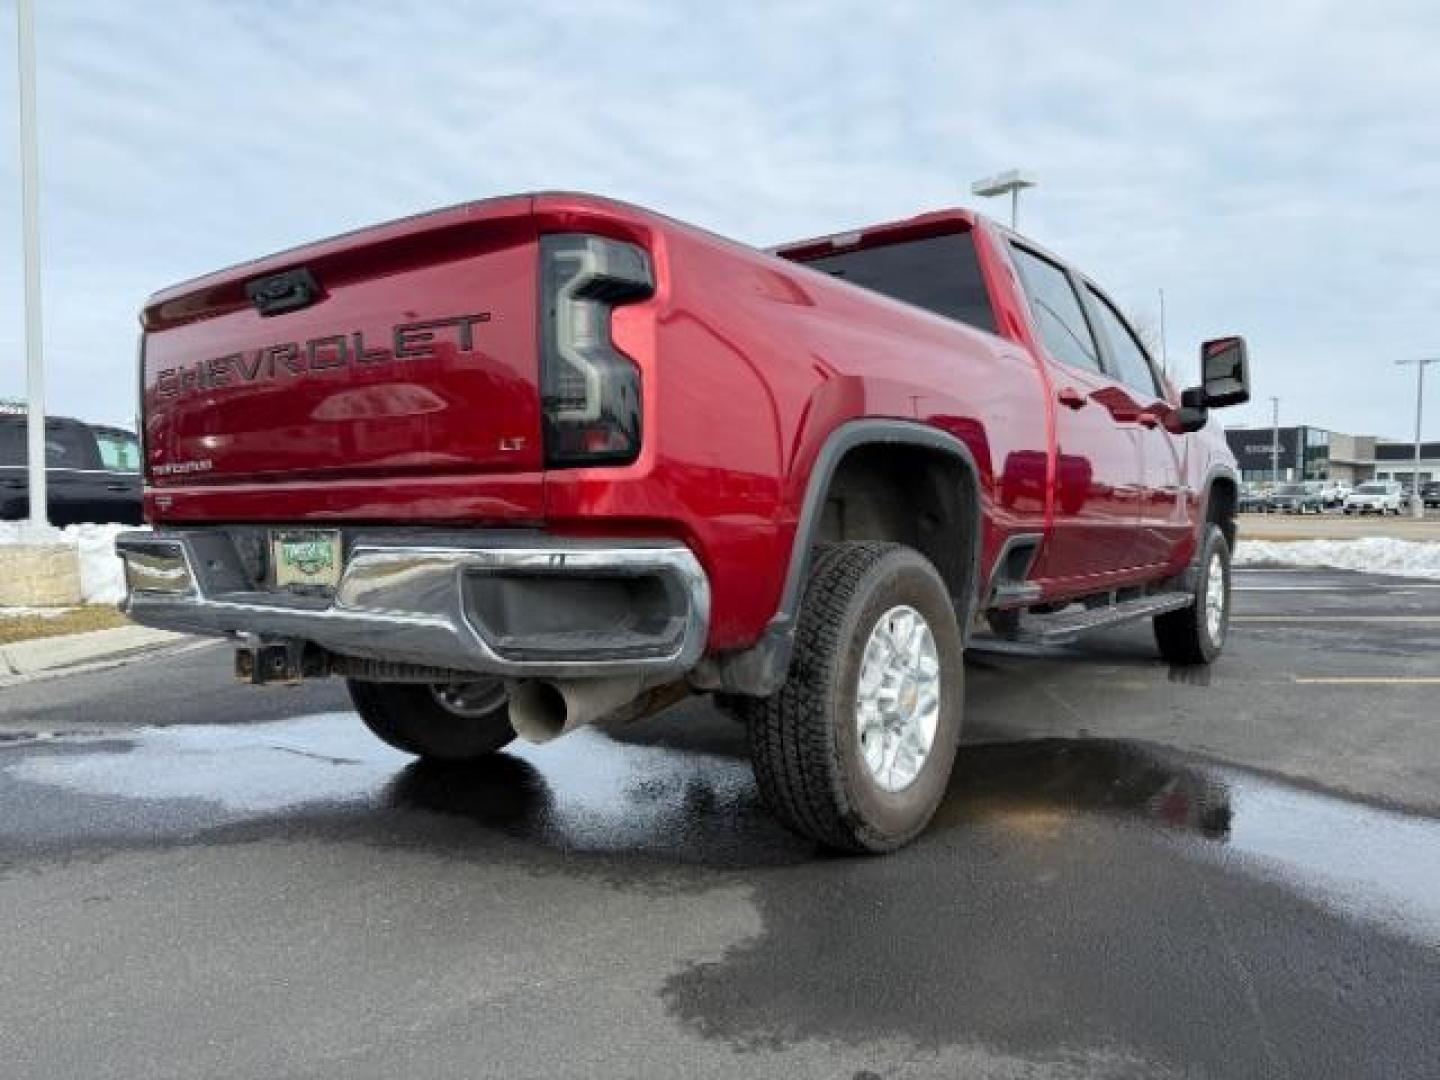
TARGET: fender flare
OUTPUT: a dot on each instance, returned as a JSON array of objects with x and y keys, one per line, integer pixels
[
  {"x": 1185, "y": 579},
  {"x": 1215, "y": 472},
  {"x": 761, "y": 669}
]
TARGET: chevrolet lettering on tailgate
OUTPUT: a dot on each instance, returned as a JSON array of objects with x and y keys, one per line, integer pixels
[{"x": 408, "y": 341}]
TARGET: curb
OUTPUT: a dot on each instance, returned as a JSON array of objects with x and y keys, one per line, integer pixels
[{"x": 25, "y": 660}]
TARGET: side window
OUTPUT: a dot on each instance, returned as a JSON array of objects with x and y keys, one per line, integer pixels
[
  {"x": 70, "y": 446},
  {"x": 1057, "y": 311},
  {"x": 118, "y": 451},
  {"x": 12, "y": 443},
  {"x": 1135, "y": 371}
]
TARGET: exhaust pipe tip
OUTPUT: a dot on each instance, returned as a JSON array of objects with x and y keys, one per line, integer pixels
[
  {"x": 545, "y": 709},
  {"x": 538, "y": 711}
]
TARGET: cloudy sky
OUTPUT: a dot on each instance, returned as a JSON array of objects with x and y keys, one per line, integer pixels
[{"x": 1274, "y": 167}]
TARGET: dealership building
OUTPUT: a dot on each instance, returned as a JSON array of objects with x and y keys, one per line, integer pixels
[{"x": 1311, "y": 453}]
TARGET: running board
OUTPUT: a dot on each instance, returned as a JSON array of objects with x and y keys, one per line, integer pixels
[{"x": 1064, "y": 625}]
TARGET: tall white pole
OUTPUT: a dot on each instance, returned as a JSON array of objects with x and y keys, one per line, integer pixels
[
  {"x": 1164, "y": 351},
  {"x": 30, "y": 231},
  {"x": 1274, "y": 440},
  {"x": 1417, "y": 503}
]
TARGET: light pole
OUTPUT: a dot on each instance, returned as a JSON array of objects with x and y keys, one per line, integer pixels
[
  {"x": 1274, "y": 440},
  {"x": 1006, "y": 183},
  {"x": 30, "y": 230},
  {"x": 1420, "y": 364},
  {"x": 1164, "y": 352}
]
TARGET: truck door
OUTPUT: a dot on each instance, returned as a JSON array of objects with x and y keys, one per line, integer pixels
[
  {"x": 120, "y": 460},
  {"x": 73, "y": 474},
  {"x": 1098, "y": 464},
  {"x": 1164, "y": 525}
]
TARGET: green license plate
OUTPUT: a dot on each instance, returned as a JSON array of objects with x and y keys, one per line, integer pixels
[{"x": 306, "y": 558}]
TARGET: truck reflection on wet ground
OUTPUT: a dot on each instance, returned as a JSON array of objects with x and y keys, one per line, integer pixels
[
  {"x": 1138, "y": 900},
  {"x": 680, "y": 791}
]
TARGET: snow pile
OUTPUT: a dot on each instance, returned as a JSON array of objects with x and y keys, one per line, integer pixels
[
  {"x": 102, "y": 574},
  {"x": 1375, "y": 554}
]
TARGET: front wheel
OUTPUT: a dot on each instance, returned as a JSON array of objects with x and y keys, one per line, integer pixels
[
  {"x": 855, "y": 749},
  {"x": 1196, "y": 634},
  {"x": 441, "y": 722}
]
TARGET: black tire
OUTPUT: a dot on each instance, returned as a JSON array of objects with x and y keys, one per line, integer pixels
[
  {"x": 412, "y": 717},
  {"x": 804, "y": 743},
  {"x": 1185, "y": 636}
]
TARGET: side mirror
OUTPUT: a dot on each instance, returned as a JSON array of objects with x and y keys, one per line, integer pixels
[
  {"x": 1192, "y": 415},
  {"x": 1224, "y": 372}
]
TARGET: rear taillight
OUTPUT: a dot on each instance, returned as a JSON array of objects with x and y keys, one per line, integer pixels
[{"x": 589, "y": 390}]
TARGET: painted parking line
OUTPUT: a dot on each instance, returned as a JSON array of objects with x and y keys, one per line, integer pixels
[
  {"x": 1379, "y": 590},
  {"x": 1338, "y": 618},
  {"x": 1367, "y": 680},
  {"x": 1291, "y": 570}
]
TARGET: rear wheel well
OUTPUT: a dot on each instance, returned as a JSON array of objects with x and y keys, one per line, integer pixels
[
  {"x": 1220, "y": 507},
  {"x": 912, "y": 495}
]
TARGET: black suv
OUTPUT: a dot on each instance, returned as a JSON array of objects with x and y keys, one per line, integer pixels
[
  {"x": 1430, "y": 492},
  {"x": 92, "y": 472}
]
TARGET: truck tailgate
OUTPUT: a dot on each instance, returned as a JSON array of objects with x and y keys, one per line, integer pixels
[{"x": 405, "y": 352}]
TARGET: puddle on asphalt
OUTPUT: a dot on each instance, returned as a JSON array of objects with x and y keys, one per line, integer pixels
[
  {"x": 585, "y": 793},
  {"x": 1360, "y": 860},
  {"x": 649, "y": 796}
]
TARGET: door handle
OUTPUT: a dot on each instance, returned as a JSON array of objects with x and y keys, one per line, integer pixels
[
  {"x": 1071, "y": 398},
  {"x": 117, "y": 487}
]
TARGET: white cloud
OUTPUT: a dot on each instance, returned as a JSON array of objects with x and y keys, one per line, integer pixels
[{"x": 1276, "y": 168}]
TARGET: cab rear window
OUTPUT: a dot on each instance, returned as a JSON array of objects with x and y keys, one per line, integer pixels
[{"x": 939, "y": 273}]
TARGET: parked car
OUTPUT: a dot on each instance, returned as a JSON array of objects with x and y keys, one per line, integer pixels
[
  {"x": 91, "y": 471},
  {"x": 1295, "y": 499},
  {"x": 1329, "y": 493},
  {"x": 1252, "y": 499},
  {"x": 1375, "y": 496},
  {"x": 1430, "y": 493},
  {"x": 543, "y": 461}
]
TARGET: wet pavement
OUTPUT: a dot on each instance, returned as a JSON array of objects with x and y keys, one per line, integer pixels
[{"x": 279, "y": 894}]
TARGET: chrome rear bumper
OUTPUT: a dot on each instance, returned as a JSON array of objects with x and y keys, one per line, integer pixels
[{"x": 519, "y": 605}]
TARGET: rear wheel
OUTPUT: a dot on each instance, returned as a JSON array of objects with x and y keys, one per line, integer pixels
[
  {"x": 440, "y": 722},
  {"x": 855, "y": 750},
  {"x": 1196, "y": 634}
]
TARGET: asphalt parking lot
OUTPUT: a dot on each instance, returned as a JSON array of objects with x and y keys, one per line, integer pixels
[{"x": 1140, "y": 871}]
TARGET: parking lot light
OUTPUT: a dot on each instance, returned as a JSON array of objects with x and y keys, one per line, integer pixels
[
  {"x": 30, "y": 231},
  {"x": 1274, "y": 440},
  {"x": 1420, "y": 362},
  {"x": 1010, "y": 182}
]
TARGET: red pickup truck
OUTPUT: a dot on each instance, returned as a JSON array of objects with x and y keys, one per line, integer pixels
[{"x": 541, "y": 461}]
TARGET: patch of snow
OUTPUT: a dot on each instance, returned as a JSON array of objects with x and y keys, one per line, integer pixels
[
  {"x": 102, "y": 574},
  {"x": 34, "y": 612},
  {"x": 1373, "y": 554}
]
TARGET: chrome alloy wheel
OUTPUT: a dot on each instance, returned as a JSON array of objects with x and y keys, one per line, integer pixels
[
  {"x": 897, "y": 699},
  {"x": 1215, "y": 599},
  {"x": 470, "y": 699}
]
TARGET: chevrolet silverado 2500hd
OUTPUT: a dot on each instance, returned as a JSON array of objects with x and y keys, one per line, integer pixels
[{"x": 540, "y": 461}]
